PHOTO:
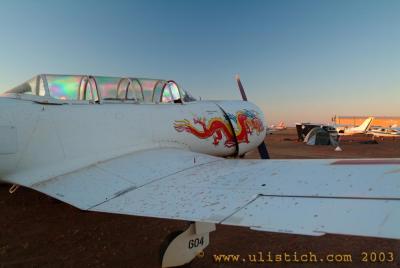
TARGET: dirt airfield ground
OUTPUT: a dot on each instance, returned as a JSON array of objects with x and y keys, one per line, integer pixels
[{"x": 38, "y": 231}]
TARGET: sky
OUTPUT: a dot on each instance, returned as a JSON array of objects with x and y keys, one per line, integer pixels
[{"x": 299, "y": 61}]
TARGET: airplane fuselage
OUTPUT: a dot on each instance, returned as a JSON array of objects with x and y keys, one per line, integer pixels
[{"x": 45, "y": 140}]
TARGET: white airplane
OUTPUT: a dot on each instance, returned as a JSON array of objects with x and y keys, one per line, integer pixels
[
  {"x": 275, "y": 128},
  {"x": 361, "y": 129},
  {"x": 395, "y": 127},
  {"x": 384, "y": 132},
  {"x": 145, "y": 147}
]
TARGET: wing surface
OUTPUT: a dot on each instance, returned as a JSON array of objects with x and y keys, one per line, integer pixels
[{"x": 312, "y": 197}]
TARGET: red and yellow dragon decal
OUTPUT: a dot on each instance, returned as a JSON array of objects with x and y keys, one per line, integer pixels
[{"x": 246, "y": 121}]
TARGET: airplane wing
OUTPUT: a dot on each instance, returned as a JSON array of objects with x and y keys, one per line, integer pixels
[{"x": 312, "y": 197}]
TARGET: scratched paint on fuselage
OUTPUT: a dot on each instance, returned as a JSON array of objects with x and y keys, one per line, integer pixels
[{"x": 245, "y": 122}]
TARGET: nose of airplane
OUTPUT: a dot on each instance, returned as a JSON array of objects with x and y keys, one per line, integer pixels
[{"x": 248, "y": 123}]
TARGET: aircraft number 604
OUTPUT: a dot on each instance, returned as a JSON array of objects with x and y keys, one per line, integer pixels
[{"x": 194, "y": 243}]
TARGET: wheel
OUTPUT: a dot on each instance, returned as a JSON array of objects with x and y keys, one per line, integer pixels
[{"x": 165, "y": 244}]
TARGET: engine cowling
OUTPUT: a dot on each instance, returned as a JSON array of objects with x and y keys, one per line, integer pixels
[{"x": 247, "y": 121}]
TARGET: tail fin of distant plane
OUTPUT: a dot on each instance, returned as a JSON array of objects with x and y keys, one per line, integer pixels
[
  {"x": 365, "y": 125},
  {"x": 281, "y": 124}
]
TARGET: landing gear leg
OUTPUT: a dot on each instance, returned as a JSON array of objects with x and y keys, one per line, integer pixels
[{"x": 184, "y": 247}]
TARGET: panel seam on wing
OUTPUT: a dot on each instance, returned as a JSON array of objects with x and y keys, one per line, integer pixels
[
  {"x": 240, "y": 208},
  {"x": 334, "y": 197},
  {"x": 91, "y": 165},
  {"x": 130, "y": 189}
]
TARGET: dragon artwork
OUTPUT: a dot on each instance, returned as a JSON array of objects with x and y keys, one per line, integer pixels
[{"x": 246, "y": 121}]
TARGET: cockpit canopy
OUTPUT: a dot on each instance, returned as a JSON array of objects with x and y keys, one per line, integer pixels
[{"x": 87, "y": 88}]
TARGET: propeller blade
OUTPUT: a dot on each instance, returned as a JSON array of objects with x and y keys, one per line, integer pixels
[
  {"x": 241, "y": 89},
  {"x": 262, "y": 148}
]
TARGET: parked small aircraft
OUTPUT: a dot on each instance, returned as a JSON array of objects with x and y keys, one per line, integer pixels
[
  {"x": 361, "y": 129},
  {"x": 384, "y": 132},
  {"x": 395, "y": 127},
  {"x": 275, "y": 128},
  {"x": 146, "y": 147}
]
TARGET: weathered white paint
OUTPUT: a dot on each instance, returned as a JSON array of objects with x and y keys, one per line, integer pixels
[
  {"x": 293, "y": 196},
  {"x": 57, "y": 139}
]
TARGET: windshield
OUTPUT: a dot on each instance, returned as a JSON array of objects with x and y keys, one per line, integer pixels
[{"x": 187, "y": 97}]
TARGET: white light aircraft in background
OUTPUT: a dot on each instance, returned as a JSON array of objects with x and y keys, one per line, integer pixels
[
  {"x": 275, "y": 128},
  {"x": 384, "y": 132},
  {"x": 145, "y": 147},
  {"x": 395, "y": 127},
  {"x": 361, "y": 129}
]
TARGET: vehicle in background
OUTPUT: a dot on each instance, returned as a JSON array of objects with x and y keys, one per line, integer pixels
[{"x": 304, "y": 128}]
